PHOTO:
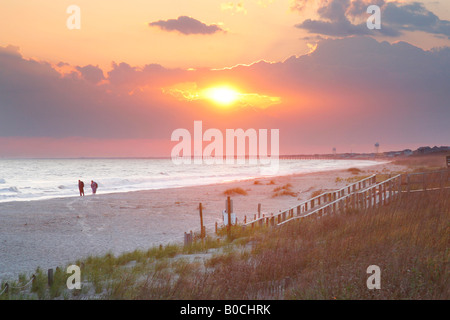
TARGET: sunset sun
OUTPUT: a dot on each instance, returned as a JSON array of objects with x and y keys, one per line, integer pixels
[{"x": 222, "y": 95}]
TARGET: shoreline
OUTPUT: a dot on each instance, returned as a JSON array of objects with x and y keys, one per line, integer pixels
[
  {"x": 55, "y": 232},
  {"x": 378, "y": 162}
]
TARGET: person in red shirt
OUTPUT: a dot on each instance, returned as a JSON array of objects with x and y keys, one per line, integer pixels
[{"x": 81, "y": 187}]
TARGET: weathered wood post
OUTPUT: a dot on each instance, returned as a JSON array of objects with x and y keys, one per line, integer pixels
[
  {"x": 50, "y": 277},
  {"x": 352, "y": 200},
  {"x": 381, "y": 194},
  {"x": 229, "y": 214},
  {"x": 364, "y": 199},
  {"x": 391, "y": 190},
  {"x": 202, "y": 228},
  {"x": 374, "y": 197},
  {"x": 259, "y": 210}
]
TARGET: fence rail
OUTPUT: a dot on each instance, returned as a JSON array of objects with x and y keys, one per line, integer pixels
[
  {"x": 313, "y": 204},
  {"x": 377, "y": 194},
  {"x": 7, "y": 287},
  {"x": 363, "y": 194},
  {"x": 426, "y": 180}
]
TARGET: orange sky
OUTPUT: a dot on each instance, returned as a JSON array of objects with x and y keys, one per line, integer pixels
[
  {"x": 118, "y": 31},
  {"x": 126, "y": 85}
]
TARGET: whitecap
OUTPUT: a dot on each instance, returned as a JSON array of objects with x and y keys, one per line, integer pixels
[{"x": 14, "y": 189}]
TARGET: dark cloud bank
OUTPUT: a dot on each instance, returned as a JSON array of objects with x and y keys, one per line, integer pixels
[
  {"x": 186, "y": 25},
  {"x": 353, "y": 90},
  {"x": 337, "y": 18}
]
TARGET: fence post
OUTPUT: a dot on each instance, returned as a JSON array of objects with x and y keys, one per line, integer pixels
[
  {"x": 259, "y": 210},
  {"x": 229, "y": 214},
  {"x": 50, "y": 277},
  {"x": 372, "y": 195},
  {"x": 381, "y": 195},
  {"x": 391, "y": 190},
  {"x": 5, "y": 289},
  {"x": 200, "y": 209}
]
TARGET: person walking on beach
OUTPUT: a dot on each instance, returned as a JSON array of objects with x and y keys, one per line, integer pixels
[
  {"x": 94, "y": 186},
  {"x": 81, "y": 187}
]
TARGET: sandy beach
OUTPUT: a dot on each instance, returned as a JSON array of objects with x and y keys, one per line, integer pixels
[{"x": 51, "y": 233}]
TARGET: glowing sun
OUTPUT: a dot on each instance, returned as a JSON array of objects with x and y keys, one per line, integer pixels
[{"x": 222, "y": 95}]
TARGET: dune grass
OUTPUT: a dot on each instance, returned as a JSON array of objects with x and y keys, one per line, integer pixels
[
  {"x": 324, "y": 258},
  {"x": 354, "y": 170},
  {"x": 328, "y": 258},
  {"x": 235, "y": 191},
  {"x": 285, "y": 190}
]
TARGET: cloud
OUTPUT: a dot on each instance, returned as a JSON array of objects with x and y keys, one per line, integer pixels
[
  {"x": 354, "y": 90},
  {"x": 186, "y": 25},
  {"x": 348, "y": 18},
  {"x": 414, "y": 17},
  {"x": 298, "y": 5},
  {"x": 233, "y": 7},
  {"x": 190, "y": 91},
  {"x": 12, "y": 51},
  {"x": 91, "y": 73},
  {"x": 38, "y": 101}
]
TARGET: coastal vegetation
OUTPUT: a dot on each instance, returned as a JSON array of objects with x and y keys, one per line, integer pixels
[
  {"x": 312, "y": 258},
  {"x": 322, "y": 258}
]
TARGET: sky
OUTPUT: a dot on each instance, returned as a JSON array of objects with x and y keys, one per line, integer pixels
[{"x": 135, "y": 71}]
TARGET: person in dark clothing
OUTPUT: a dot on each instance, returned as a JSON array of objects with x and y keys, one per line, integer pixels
[
  {"x": 81, "y": 187},
  {"x": 94, "y": 186}
]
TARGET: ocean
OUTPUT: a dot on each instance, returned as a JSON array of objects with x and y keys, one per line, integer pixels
[{"x": 37, "y": 179}]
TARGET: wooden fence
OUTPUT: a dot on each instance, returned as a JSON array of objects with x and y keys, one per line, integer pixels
[
  {"x": 313, "y": 205},
  {"x": 363, "y": 194},
  {"x": 374, "y": 195},
  {"x": 426, "y": 181}
]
